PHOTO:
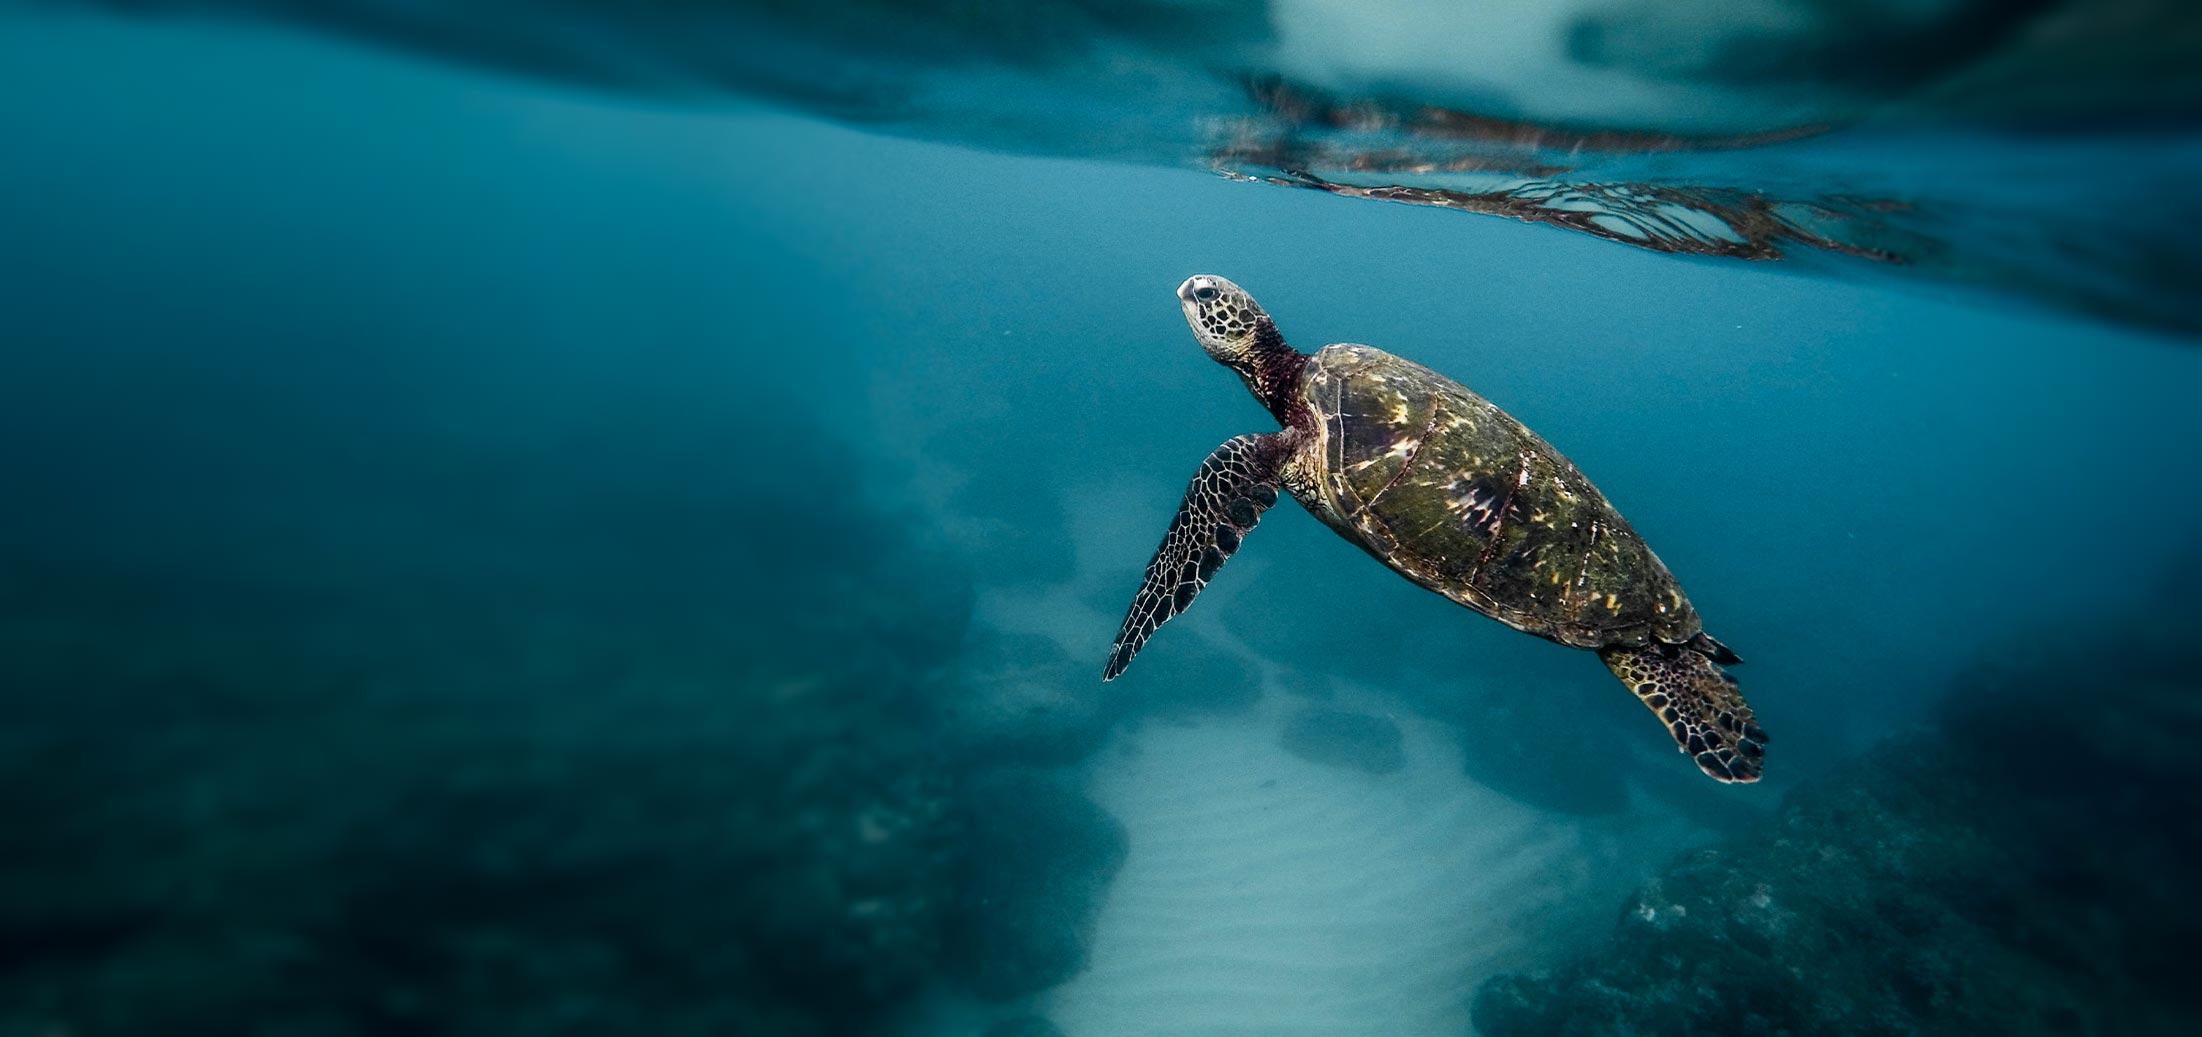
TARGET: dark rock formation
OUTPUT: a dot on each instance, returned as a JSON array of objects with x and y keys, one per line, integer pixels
[
  {"x": 660, "y": 759},
  {"x": 2026, "y": 869},
  {"x": 1341, "y": 738},
  {"x": 1039, "y": 862}
]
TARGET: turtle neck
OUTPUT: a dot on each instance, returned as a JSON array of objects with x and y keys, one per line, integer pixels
[{"x": 1272, "y": 373}]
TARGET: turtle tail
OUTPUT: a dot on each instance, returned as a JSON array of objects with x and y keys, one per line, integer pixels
[{"x": 1697, "y": 701}]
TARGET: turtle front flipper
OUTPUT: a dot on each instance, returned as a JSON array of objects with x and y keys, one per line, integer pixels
[
  {"x": 1228, "y": 495},
  {"x": 1697, "y": 701}
]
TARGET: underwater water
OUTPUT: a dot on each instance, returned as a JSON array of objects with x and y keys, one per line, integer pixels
[{"x": 503, "y": 543}]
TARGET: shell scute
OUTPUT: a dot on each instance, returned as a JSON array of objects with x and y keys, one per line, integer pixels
[{"x": 1460, "y": 497}]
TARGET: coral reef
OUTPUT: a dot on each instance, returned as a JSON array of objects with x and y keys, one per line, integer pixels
[
  {"x": 508, "y": 827},
  {"x": 655, "y": 762},
  {"x": 2023, "y": 869},
  {"x": 1040, "y": 859}
]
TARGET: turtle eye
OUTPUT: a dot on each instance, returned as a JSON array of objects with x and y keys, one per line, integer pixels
[{"x": 1206, "y": 293}]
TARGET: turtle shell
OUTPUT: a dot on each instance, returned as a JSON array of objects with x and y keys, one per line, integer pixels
[{"x": 1461, "y": 498}]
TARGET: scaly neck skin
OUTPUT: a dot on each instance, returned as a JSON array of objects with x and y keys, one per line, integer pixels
[{"x": 1271, "y": 371}]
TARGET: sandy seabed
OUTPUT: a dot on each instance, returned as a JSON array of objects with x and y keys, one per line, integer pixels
[{"x": 1267, "y": 894}]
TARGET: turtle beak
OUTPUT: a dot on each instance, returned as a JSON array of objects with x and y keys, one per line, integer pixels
[{"x": 1185, "y": 291}]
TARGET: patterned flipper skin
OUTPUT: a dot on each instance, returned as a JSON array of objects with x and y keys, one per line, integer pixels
[{"x": 1228, "y": 495}]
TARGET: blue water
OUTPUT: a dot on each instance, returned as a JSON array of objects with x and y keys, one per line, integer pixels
[{"x": 492, "y": 554}]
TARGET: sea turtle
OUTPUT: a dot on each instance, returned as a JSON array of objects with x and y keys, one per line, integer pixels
[{"x": 1454, "y": 494}]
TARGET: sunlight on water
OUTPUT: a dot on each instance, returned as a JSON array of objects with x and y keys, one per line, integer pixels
[{"x": 1752, "y": 129}]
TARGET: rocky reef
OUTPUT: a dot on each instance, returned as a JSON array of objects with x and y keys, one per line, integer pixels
[
  {"x": 1040, "y": 860},
  {"x": 657, "y": 763},
  {"x": 2024, "y": 868}
]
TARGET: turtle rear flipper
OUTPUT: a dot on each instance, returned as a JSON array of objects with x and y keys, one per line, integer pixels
[{"x": 1699, "y": 704}]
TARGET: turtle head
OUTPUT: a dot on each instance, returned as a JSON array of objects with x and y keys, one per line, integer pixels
[
  {"x": 1238, "y": 334},
  {"x": 1230, "y": 325}
]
